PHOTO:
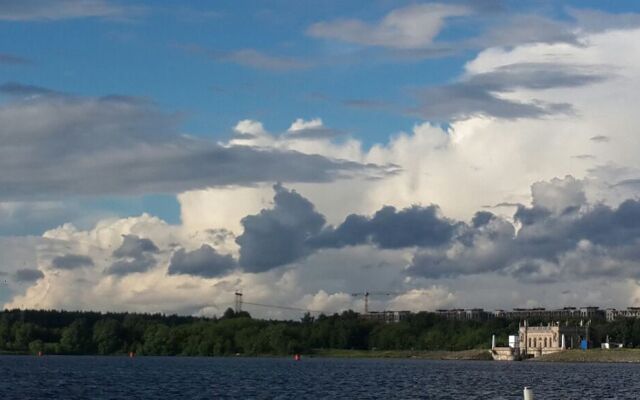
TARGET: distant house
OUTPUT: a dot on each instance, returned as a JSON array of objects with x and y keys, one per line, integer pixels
[
  {"x": 386, "y": 316},
  {"x": 631, "y": 312},
  {"x": 551, "y": 338},
  {"x": 536, "y": 341}
]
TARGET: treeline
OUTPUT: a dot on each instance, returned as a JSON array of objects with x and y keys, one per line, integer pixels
[{"x": 63, "y": 332}]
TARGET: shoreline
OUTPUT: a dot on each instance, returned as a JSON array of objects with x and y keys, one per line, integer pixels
[
  {"x": 625, "y": 355},
  {"x": 629, "y": 356},
  {"x": 463, "y": 355}
]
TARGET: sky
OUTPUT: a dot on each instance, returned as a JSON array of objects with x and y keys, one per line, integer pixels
[{"x": 157, "y": 156}]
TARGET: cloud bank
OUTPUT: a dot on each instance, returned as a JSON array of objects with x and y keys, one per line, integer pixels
[{"x": 123, "y": 145}]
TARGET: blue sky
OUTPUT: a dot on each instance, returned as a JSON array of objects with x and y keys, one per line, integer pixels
[
  {"x": 121, "y": 116},
  {"x": 160, "y": 50}
]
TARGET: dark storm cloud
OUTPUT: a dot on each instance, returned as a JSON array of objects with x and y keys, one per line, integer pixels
[
  {"x": 560, "y": 237},
  {"x": 130, "y": 266},
  {"x": 278, "y": 236},
  {"x": 135, "y": 254},
  {"x": 390, "y": 229},
  {"x": 28, "y": 275},
  {"x": 293, "y": 229},
  {"x": 72, "y": 261},
  {"x": 481, "y": 218},
  {"x": 552, "y": 244},
  {"x": 530, "y": 216},
  {"x": 124, "y": 145},
  {"x": 205, "y": 262},
  {"x": 134, "y": 247},
  {"x": 10, "y": 59},
  {"x": 478, "y": 93}
]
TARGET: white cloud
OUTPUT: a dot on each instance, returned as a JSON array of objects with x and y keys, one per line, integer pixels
[
  {"x": 411, "y": 27},
  {"x": 300, "y": 124},
  {"x": 430, "y": 299}
]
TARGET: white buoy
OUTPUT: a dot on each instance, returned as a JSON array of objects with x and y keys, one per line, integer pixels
[{"x": 528, "y": 393}]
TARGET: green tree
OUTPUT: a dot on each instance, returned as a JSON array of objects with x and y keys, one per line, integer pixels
[
  {"x": 76, "y": 338},
  {"x": 36, "y": 346},
  {"x": 107, "y": 336},
  {"x": 157, "y": 340},
  {"x": 23, "y": 334}
]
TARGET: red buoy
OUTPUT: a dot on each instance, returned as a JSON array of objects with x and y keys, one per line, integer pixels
[{"x": 296, "y": 357}]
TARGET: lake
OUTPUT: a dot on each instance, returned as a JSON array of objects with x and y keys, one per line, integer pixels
[{"x": 67, "y": 377}]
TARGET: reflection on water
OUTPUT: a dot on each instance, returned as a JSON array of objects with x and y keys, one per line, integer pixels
[{"x": 311, "y": 378}]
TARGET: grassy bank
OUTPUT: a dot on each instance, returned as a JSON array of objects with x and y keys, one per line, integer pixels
[
  {"x": 594, "y": 355},
  {"x": 427, "y": 355}
]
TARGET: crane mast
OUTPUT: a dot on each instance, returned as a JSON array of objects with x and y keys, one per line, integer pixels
[{"x": 366, "y": 295}]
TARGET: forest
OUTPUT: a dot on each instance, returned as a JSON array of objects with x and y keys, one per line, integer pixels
[{"x": 68, "y": 332}]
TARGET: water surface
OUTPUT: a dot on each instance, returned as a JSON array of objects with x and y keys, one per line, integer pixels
[{"x": 23, "y": 377}]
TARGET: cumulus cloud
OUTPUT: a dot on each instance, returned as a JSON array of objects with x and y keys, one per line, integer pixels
[
  {"x": 204, "y": 262},
  {"x": 558, "y": 195},
  {"x": 592, "y": 242},
  {"x": 430, "y": 298},
  {"x": 71, "y": 261},
  {"x": 487, "y": 159}
]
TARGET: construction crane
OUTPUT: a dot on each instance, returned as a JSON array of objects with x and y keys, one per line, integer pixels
[{"x": 367, "y": 294}]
